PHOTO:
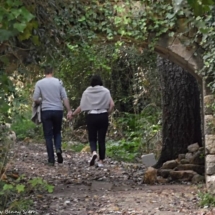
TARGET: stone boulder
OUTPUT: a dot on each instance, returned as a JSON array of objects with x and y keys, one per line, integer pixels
[
  {"x": 193, "y": 148},
  {"x": 198, "y": 158},
  {"x": 184, "y": 161},
  {"x": 188, "y": 156},
  {"x": 210, "y": 167},
  {"x": 170, "y": 164},
  {"x": 198, "y": 179},
  {"x": 188, "y": 166},
  {"x": 181, "y": 157},
  {"x": 165, "y": 173},
  {"x": 149, "y": 159},
  {"x": 196, "y": 168},
  {"x": 150, "y": 176},
  {"x": 182, "y": 175}
]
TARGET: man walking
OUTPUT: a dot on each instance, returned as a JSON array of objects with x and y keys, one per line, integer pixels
[{"x": 50, "y": 93}]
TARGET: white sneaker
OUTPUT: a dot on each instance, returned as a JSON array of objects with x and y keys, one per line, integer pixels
[
  {"x": 100, "y": 164},
  {"x": 94, "y": 157}
]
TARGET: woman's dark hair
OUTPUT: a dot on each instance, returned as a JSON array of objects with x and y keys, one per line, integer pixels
[{"x": 96, "y": 80}]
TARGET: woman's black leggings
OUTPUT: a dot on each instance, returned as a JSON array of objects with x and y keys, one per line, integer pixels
[{"x": 97, "y": 125}]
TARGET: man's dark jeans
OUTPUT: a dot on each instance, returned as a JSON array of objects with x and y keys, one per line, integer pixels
[{"x": 52, "y": 123}]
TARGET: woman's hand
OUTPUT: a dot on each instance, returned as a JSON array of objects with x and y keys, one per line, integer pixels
[{"x": 69, "y": 115}]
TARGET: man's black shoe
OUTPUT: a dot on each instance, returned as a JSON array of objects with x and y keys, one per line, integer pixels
[{"x": 59, "y": 156}]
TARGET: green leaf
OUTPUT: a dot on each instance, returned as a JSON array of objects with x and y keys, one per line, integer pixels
[
  {"x": 4, "y": 107},
  {"x": 169, "y": 15},
  {"x": 35, "y": 40},
  {"x": 26, "y": 35},
  {"x": 36, "y": 181},
  {"x": 20, "y": 188},
  {"x": 82, "y": 19},
  {"x": 207, "y": 2},
  {"x": 8, "y": 187},
  {"x": 26, "y": 14},
  {"x": 15, "y": 12},
  {"x": 19, "y": 26},
  {"x": 13, "y": 3},
  {"x": 50, "y": 188},
  {"x": 200, "y": 7},
  {"x": 5, "y": 34}
]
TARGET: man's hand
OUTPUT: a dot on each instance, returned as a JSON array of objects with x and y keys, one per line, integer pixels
[{"x": 69, "y": 115}]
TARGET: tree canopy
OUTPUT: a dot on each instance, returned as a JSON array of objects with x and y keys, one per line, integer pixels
[{"x": 36, "y": 33}]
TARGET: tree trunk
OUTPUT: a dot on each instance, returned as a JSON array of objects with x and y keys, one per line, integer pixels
[{"x": 181, "y": 111}]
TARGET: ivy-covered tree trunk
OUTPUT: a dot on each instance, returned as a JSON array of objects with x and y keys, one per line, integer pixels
[
  {"x": 181, "y": 111},
  {"x": 122, "y": 76}
]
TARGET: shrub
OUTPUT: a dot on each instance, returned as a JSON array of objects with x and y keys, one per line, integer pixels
[
  {"x": 24, "y": 127},
  {"x": 15, "y": 196}
]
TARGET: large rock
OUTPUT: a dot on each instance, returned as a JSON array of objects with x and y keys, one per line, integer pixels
[
  {"x": 170, "y": 164},
  {"x": 188, "y": 156},
  {"x": 198, "y": 179},
  {"x": 184, "y": 161},
  {"x": 198, "y": 158},
  {"x": 210, "y": 183},
  {"x": 183, "y": 175},
  {"x": 181, "y": 157},
  {"x": 149, "y": 159},
  {"x": 208, "y": 101},
  {"x": 5, "y": 130},
  {"x": 210, "y": 143},
  {"x": 196, "y": 168},
  {"x": 209, "y": 124},
  {"x": 210, "y": 164},
  {"x": 164, "y": 172},
  {"x": 193, "y": 148},
  {"x": 150, "y": 176},
  {"x": 12, "y": 136},
  {"x": 161, "y": 180}
]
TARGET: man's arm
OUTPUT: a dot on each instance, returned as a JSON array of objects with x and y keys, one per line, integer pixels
[
  {"x": 37, "y": 95},
  {"x": 68, "y": 108},
  {"x": 66, "y": 104}
]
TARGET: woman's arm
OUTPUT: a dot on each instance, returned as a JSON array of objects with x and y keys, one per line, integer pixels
[
  {"x": 77, "y": 111},
  {"x": 111, "y": 106}
]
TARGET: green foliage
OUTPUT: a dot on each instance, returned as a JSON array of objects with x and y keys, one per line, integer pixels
[
  {"x": 40, "y": 185},
  {"x": 24, "y": 127},
  {"x": 123, "y": 150},
  {"x": 200, "y": 7},
  {"x": 138, "y": 134},
  {"x": 6, "y": 90},
  {"x": 207, "y": 199},
  {"x": 206, "y": 29},
  {"x": 14, "y": 18},
  {"x": 15, "y": 196},
  {"x": 20, "y": 110},
  {"x": 74, "y": 147},
  {"x": 5, "y": 146}
]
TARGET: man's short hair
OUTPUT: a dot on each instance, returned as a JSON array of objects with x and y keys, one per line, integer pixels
[
  {"x": 96, "y": 80},
  {"x": 48, "y": 70}
]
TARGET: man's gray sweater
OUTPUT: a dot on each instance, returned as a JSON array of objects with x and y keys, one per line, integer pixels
[{"x": 52, "y": 93}]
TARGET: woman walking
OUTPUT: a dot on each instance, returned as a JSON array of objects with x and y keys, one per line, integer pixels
[{"x": 98, "y": 103}]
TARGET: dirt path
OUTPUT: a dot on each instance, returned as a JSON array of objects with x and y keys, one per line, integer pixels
[{"x": 115, "y": 189}]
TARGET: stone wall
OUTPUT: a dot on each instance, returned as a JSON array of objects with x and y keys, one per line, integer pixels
[
  {"x": 190, "y": 59},
  {"x": 209, "y": 142}
]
